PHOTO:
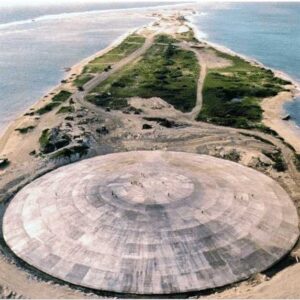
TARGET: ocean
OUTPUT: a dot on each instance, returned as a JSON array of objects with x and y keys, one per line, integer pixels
[
  {"x": 37, "y": 43},
  {"x": 268, "y": 32}
]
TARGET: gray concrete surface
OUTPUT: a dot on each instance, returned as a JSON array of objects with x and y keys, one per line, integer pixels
[{"x": 151, "y": 222}]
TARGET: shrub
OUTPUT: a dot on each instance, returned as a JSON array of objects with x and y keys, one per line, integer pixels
[
  {"x": 233, "y": 155},
  {"x": 277, "y": 157},
  {"x": 47, "y": 108},
  {"x": 297, "y": 161},
  {"x": 25, "y": 130},
  {"x": 61, "y": 97},
  {"x": 243, "y": 81},
  {"x": 155, "y": 75},
  {"x": 66, "y": 109}
]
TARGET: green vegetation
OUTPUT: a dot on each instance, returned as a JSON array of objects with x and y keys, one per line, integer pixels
[
  {"x": 4, "y": 163},
  {"x": 53, "y": 139},
  {"x": 188, "y": 36},
  {"x": 82, "y": 79},
  {"x": 44, "y": 138},
  {"x": 297, "y": 161},
  {"x": 232, "y": 95},
  {"x": 265, "y": 129},
  {"x": 165, "y": 39},
  {"x": 296, "y": 155},
  {"x": 277, "y": 157},
  {"x": 25, "y": 130},
  {"x": 57, "y": 100},
  {"x": 233, "y": 155},
  {"x": 47, "y": 108},
  {"x": 165, "y": 71},
  {"x": 104, "y": 62},
  {"x": 106, "y": 100},
  {"x": 62, "y": 96},
  {"x": 66, "y": 109}
]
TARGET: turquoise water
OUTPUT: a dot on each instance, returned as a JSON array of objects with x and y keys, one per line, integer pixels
[
  {"x": 37, "y": 43},
  {"x": 268, "y": 32}
]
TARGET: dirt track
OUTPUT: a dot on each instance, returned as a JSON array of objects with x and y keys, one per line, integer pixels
[{"x": 126, "y": 134}]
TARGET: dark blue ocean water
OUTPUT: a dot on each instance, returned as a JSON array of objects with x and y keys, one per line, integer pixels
[
  {"x": 268, "y": 32},
  {"x": 33, "y": 54}
]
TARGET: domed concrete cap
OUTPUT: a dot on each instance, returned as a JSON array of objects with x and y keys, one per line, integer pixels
[{"x": 151, "y": 222}]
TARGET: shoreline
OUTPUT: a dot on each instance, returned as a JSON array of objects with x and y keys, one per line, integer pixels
[
  {"x": 123, "y": 133},
  {"x": 78, "y": 66},
  {"x": 74, "y": 70},
  {"x": 76, "y": 14},
  {"x": 273, "y": 108},
  {"x": 249, "y": 59}
]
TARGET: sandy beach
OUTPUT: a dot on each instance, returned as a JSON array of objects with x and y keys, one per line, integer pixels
[
  {"x": 9, "y": 134},
  {"x": 273, "y": 107},
  {"x": 273, "y": 117},
  {"x": 108, "y": 131}
]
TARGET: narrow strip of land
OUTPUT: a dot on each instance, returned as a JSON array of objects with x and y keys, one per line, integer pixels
[{"x": 98, "y": 79}]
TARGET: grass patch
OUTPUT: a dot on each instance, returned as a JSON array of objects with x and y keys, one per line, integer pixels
[
  {"x": 25, "y": 130},
  {"x": 52, "y": 140},
  {"x": 232, "y": 95},
  {"x": 82, "y": 79},
  {"x": 233, "y": 155},
  {"x": 165, "y": 39},
  {"x": 297, "y": 161},
  {"x": 265, "y": 129},
  {"x": 277, "y": 157},
  {"x": 57, "y": 100},
  {"x": 165, "y": 71},
  {"x": 106, "y": 100},
  {"x": 104, "y": 62},
  {"x": 62, "y": 96},
  {"x": 188, "y": 36},
  {"x": 66, "y": 109},
  {"x": 44, "y": 138},
  {"x": 47, "y": 108}
]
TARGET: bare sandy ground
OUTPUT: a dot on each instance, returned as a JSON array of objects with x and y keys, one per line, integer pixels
[
  {"x": 273, "y": 107},
  {"x": 127, "y": 135},
  {"x": 284, "y": 285},
  {"x": 273, "y": 114}
]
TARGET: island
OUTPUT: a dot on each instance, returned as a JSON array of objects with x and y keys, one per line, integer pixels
[{"x": 159, "y": 90}]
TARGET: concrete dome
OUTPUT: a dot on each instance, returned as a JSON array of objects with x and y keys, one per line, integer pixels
[{"x": 151, "y": 222}]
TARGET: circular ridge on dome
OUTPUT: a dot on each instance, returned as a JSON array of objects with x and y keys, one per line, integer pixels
[{"x": 151, "y": 222}]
